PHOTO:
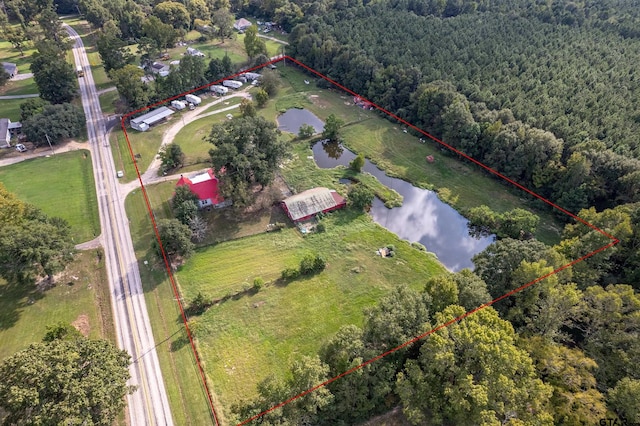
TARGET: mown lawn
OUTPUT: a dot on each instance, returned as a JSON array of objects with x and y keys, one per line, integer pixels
[
  {"x": 190, "y": 137},
  {"x": 186, "y": 394},
  {"x": 107, "y": 100},
  {"x": 19, "y": 87},
  {"x": 10, "y": 108},
  {"x": 61, "y": 185},
  {"x": 81, "y": 293},
  {"x": 146, "y": 144},
  {"x": 252, "y": 335},
  {"x": 10, "y": 54}
]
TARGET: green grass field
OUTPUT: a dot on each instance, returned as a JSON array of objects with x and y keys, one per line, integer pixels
[
  {"x": 61, "y": 185},
  {"x": 25, "y": 312},
  {"x": 146, "y": 144},
  {"x": 248, "y": 337},
  {"x": 186, "y": 394},
  {"x": 10, "y": 54},
  {"x": 107, "y": 100},
  {"x": 10, "y": 108},
  {"x": 190, "y": 137},
  {"x": 19, "y": 87}
]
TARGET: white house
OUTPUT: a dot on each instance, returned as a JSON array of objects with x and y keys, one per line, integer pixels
[
  {"x": 7, "y": 130},
  {"x": 160, "y": 68}
]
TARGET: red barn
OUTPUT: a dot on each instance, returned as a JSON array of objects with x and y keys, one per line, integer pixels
[
  {"x": 205, "y": 186},
  {"x": 307, "y": 204}
]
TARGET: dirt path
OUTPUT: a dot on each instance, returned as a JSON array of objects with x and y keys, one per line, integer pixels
[
  {"x": 15, "y": 157},
  {"x": 151, "y": 174},
  {"x": 88, "y": 245}
]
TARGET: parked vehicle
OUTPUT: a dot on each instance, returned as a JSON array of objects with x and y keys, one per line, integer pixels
[
  {"x": 21, "y": 148},
  {"x": 220, "y": 90},
  {"x": 234, "y": 84},
  {"x": 179, "y": 105},
  {"x": 193, "y": 99}
]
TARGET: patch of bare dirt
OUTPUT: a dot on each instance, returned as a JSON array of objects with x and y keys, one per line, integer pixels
[
  {"x": 258, "y": 304},
  {"x": 82, "y": 324}
]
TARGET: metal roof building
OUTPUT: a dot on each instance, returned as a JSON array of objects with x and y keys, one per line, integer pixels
[
  {"x": 308, "y": 203},
  {"x": 147, "y": 120}
]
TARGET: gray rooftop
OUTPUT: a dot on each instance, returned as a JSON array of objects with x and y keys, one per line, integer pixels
[{"x": 154, "y": 116}]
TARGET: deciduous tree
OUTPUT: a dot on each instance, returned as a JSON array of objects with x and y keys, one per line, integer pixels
[
  {"x": 252, "y": 44},
  {"x": 173, "y": 13},
  {"x": 58, "y": 122},
  {"x": 54, "y": 76},
  {"x": 471, "y": 393},
  {"x": 332, "y": 128},
  {"x": 360, "y": 197},
  {"x": 35, "y": 246},
  {"x": 175, "y": 238},
  {"x": 222, "y": 21},
  {"x": 77, "y": 381},
  {"x": 249, "y": 151}
]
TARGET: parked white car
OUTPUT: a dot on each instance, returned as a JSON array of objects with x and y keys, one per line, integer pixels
[{"x": 21, "y": 148}]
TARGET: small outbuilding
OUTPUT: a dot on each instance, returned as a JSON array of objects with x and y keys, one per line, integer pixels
[
  {"x": 143, "y": 122},
  {"x": 242, "y": 24},
  {"x": 309, "y": 203},
  {"x": 11, "y": 69}
]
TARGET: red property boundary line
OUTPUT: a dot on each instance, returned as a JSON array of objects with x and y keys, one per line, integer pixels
[{"x": 214, "y": 414}]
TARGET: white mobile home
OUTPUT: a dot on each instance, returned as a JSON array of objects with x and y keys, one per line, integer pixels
[
  {"x": 220, "y": 90},
  {"x": 252, "y": 76},
  {"x": 179, "y": 105},
  {"x": 147, "y": 120},
  {"x": 234, "y": 84},
  {"x": 193, "y": 99}
]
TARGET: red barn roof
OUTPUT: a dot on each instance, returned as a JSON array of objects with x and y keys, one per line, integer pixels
[{"x": 205, "y": 186}]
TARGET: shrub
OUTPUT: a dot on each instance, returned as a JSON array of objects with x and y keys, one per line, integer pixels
[
  {"x": 418, "y": 246},
  {"x": 319, "y": 263},
  {"x": 258, "y": 283},
  {"x": 198, "y": 305},
  {"x": 391, "y": 247},
  {"x": 357, "y": 163},
  {"x": 307, "y": 265},
  {"x": 320, "y": 228},
  {"x": 289, "y": 274},
  {"x": 360, "y": 197}
]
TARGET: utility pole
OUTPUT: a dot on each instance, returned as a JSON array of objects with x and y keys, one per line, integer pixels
[{"x": 50, "y": 146}]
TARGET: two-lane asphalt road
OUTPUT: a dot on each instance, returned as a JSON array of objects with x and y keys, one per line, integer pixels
[{"x": 149, "y": 405}]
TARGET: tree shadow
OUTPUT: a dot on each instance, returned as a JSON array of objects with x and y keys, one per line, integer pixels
[{"x": 14, "y": 298}]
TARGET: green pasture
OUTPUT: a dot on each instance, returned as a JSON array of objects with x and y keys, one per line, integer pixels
[
  {"x": 61, "y": 185},
  {"x": 81, "y": 290}
]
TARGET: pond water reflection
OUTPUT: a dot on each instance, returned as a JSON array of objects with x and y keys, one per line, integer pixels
[
  {"x": 291, "y": 120},
  {"x": 423, "y": 217}
]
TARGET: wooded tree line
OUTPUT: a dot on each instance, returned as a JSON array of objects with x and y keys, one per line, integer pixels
[
  {"x": 487, "y": 83},
  {"x": 534, "y": 376},
  {"x": 564, "y": 351}
]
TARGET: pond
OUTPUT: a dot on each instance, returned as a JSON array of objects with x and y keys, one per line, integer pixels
[
  {"x": 291, "y": 120},
  {"x": 423, "y": 217}
]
